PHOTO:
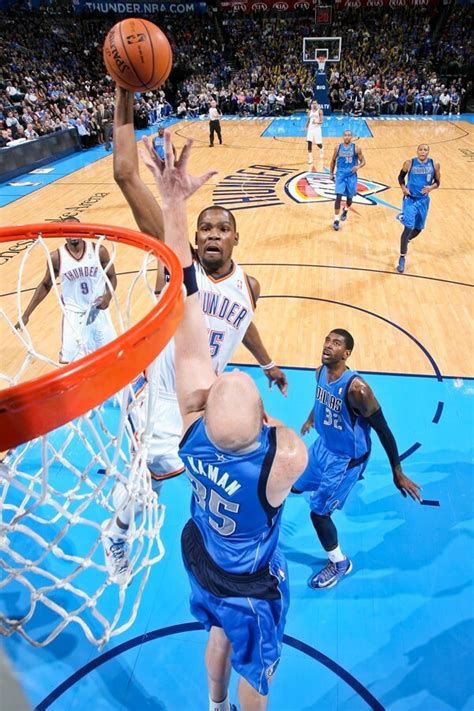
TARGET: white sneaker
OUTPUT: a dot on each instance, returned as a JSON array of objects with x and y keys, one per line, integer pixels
[
  {"x": 116, "y": 552},
  {"x": 310, "y": 160}
]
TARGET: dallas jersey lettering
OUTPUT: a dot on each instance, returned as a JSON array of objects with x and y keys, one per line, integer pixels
[
  {"x": 229, "y": 506},
  {"x": 346, "y": 159},
  {"x": 228, "y": 307},
  {"x": 81, "y": 279},
  {"x": 346, "y": 180},
  {"x": 420, "y": 175},
  {"x": 342, "y": 431}
]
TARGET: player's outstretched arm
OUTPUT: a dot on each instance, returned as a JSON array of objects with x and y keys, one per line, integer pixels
[
  {"x": 146, "y": 210},
  {"x": 363, "y": 400},
  {"x": 253, "y": 342},
  {"x": 194, "y": 372},
  {"x": 41, "y": 291}
]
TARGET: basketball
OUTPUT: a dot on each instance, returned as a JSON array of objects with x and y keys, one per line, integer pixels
[{"x": 137, "y": 55}]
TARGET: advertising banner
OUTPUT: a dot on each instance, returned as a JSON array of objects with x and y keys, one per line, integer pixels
[{"x": 138, "y": 9}]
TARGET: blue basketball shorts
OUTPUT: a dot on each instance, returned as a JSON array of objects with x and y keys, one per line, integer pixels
[
  {"x": 346, "y": 184},
  {"x": 329, "y": 477},
  {"x": 254, "y": 627},
  {"x": 415, "y": 212}
]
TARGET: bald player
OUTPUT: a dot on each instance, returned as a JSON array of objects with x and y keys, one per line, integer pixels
[{"x": 241, "y": 471}]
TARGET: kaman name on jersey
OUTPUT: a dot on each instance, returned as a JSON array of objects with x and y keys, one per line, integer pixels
[{"x": 213, "y": 473}]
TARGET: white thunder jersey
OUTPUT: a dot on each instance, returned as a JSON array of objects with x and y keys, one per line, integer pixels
[
  {"x": 314, "y": 120},
  {"x": 228, "y": 307},
  {"x": 81, "y": 279}
]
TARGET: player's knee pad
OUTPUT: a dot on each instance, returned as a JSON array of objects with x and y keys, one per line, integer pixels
[
  {"x": 337, "y": 204},
  {"x": 326, "y": 530}
]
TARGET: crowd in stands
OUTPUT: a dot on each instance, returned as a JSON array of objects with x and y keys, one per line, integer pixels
[{"x": 53, "y": 79}]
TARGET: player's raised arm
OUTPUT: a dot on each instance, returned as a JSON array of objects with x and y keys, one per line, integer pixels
[
  {"x": 146, "y": 210},
  {"x": 194, "y": 372}
]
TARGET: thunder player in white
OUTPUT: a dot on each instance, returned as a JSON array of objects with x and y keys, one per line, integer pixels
[
  {"x": 228, "y": 299},
  {"x": 313, "y": 129},
  {"x": 85, "y": 296}
]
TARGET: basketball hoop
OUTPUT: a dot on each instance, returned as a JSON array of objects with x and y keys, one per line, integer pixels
[
  {"x": 76, "y": 450},
  {"x": 31, "y": 409}
]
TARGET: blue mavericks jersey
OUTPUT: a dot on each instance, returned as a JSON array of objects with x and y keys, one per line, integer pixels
[
  {"x": 346, "y": 159},
  {"x": 229, "y": 506},
  {"x": 159, "y": 146},
  {"x": 420, "y": 175},
  {"x": 343, "y": 431}
]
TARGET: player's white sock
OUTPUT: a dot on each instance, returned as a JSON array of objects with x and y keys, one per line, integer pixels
[
  {"x": 219, "y": 705},
  {"x": 336, "y": 556},
  {"x": 336, "y": 218},
  {"x": 321, "y": 152},
  {"x": 310, "y": 157}
]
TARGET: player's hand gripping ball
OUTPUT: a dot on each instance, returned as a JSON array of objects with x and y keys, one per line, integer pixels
[{"x": 137, "y": 55}]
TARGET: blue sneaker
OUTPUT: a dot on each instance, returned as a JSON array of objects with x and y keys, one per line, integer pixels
[
  {"x": 335, "y": 225},
  {"x": 343, "y": 215},
  {"x": 330, "y": 575},
  {"x": 401, "y": 265}
]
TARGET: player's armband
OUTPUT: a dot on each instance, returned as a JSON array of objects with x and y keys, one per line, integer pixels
[
  {"x": 189, "y": 280},
  {"x": 401, "y": 177}
]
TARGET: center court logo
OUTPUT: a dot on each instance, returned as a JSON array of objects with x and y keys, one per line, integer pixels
[{"x": 311, "y": 187}]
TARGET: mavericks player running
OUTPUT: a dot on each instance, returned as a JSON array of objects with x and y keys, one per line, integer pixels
[
  {"x": 343, "y": 414},
  {"x": 346, "y": 161},
  {"x": 423, "y": 176}
]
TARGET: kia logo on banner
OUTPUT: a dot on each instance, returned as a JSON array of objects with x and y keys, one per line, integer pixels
[
  {"x": 421, "y": 2},
  {"x": 259, "y": 6},
  {"x": 374, "y": 3},
  {"x": 353, "y": 3},
  {"x": 397, "y": 3},
  {"x": 280, "y": 6},
  {"x": 302, "y": 5},
  {"x": 239, "y": 7}
]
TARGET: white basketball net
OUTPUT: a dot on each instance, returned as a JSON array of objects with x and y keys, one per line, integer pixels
[{"x": 57, "y": 497}]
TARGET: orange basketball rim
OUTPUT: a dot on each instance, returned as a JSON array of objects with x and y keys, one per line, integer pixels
[{"x": 42, "y": 404}]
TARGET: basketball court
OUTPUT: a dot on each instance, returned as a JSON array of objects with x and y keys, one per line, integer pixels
[{"x": 397, "y": 633}]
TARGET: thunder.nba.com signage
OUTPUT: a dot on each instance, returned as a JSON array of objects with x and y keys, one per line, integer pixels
[{"x": 139, "y": 9}]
